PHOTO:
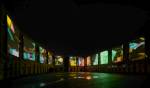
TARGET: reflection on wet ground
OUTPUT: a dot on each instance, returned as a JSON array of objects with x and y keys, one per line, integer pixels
[{"x": 80, "y": 80}]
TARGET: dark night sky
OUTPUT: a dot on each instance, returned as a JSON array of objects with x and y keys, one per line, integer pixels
[{"x": 76, "y": 29}]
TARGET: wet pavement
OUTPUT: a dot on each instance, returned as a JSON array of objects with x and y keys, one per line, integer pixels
[{"x": 81, "y": 80}]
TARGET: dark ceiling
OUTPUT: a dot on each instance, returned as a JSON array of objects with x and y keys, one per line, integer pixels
[{"x": 80, "y": 27}]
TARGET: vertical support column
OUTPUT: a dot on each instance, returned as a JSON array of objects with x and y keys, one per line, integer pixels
[
  {"x": 99, "y": 61},
  {"x": 37, "y": 55},
  {"x": 37, "y": 59},
  {"x": 126, "y": 56},
  {"x": 54, "y": 66},
  {"x": 92, "y": 60},
  {"x": 110, "y": 60},
  {"x": 21, "y": 46},
  {"x": 85, "y": 63},
  {"x": 66, "y": 64},
  {"x": 53, "y": 61},
  {"x": 77, "y": 64},
  {"x": 110, "y": 56},
  {"x": 47, "y": 57}
]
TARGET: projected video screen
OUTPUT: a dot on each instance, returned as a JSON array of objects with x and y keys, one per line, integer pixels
[
  {"x": 95, "y": 59},
  {"x": 80, "y": 61},
  {"x": 50, "y": 58},
  {"x": 73, "y": 61},
  {"x": 58, "y": 60},
  {"x": 29, "y": 49},
  {"x": 42, "y": 55},
  {"x": 13, "y": 38},
  {"x": 137, "y": 49},
  {"x": 117, "y": 54},
  {"x": 88, "y": 61},
  {"x": 104, "y": 57}
]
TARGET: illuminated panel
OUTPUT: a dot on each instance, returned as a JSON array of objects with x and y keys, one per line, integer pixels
[
  {"x": 14, "y": 52},
  {"x": 117, "y": 54},
  {"x": 58, "y": 60},
  {"x": 42, "y": 55},
  {"x": 29, "y": 49},
  {"x": 104, "y": 57},
  {"x": 137, "y": 49},
  {"x": 95, "y": 59},
  {"x": 113, "y": 54},
  {"x": 80, "y": 61},
  {"x": 10, "y": 34},
  {"x": 50, "y": 58},
  {"x": 13, "y": 38},
  {"x": 72, "y": 61},
  {"x": 88, "y": 61}
]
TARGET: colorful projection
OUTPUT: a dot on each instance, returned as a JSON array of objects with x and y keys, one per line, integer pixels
[
  {"x": 117, "y": 54},
  {"x": 50, "y": 58},
  {"x": 59, "y": 60},
  {"x": 104, "y": 57},
  {"x": 13, "y": 38},
  {"x": 73, "y": 61},
  {"x": 88, "y": 61},
  {"x": 137, "y": 49},
  {"x": 42, "y": 55},
  {"x": 29, "y": 49},
  {"x": 80, "y": 61},
  {"x": 95, "y": 59}
]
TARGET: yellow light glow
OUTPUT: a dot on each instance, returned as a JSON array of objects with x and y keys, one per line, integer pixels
[
  {"x": 142, "y": 38},
  {"x": 73, "y": 75},
  {"x": 88, "y": 61},
  {"x": 88, "y": 77},
  {"x": 10, "y": 24},
  {"x": 119, "y": 59},
  {"x": 60, "y": 59},
  {"x": 73, "y": 61}
]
